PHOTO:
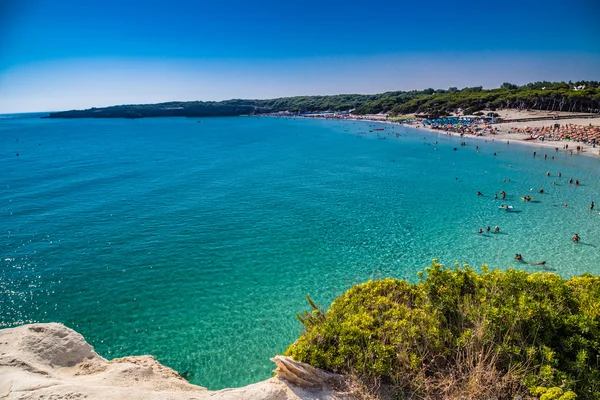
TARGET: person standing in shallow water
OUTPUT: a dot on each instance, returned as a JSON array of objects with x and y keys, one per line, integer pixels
[{"x": 592, "y": 206}]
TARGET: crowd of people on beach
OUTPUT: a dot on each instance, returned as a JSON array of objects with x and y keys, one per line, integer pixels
[
  {"x": 460, "y": 126},
  {"x": 579, "y": 133},
  {"x": 583, "y": 134}
]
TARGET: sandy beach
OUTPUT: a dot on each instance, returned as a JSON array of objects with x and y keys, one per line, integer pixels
[{"x": 504, "y": 131}]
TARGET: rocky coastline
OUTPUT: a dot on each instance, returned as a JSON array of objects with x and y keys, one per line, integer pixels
[{"x": 52, "y": 362}]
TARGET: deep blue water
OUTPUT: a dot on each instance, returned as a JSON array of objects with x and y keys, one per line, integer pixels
[{"x": 197, "y": 242}]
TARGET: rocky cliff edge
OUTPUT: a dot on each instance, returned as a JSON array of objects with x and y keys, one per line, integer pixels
[{"x": 53, "y": 362}]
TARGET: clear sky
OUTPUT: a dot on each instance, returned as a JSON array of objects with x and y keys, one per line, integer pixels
[{"x": 66, "y": 54}]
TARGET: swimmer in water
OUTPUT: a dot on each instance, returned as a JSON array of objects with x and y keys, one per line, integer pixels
[
  {"x": 480, "y": 230},
  {"x": 497, "y": 229},
  {"x": 518, "y": 257},
  {"x": 576, "y": 238},
  {"x": 479, "y": 193},
  {"x": 540, "y": 263}
]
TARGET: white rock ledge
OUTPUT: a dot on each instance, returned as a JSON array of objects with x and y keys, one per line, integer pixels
[{"x": 53, "y": 362}]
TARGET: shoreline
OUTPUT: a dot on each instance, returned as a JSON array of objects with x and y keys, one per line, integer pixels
[
  {"x": 518, "y": 138},
  {"x": 503, "y": 133}
]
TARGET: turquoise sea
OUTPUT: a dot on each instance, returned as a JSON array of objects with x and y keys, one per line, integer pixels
[{"x": 197, "y": 242}]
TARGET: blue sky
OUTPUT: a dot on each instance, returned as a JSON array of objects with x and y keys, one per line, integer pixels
[{"x": 66, "y": 54}]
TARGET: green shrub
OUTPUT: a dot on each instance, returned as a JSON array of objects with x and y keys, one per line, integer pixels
[{"x": 462, "y": 333}]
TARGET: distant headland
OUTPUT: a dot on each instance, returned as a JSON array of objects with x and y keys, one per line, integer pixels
[{"x": 581, "y": 96}]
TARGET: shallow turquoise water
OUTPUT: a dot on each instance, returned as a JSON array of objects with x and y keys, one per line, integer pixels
[{"x": 197, "y": 242}]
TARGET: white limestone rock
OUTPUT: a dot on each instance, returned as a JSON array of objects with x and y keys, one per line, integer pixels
[{"x": 53, "y": 362}]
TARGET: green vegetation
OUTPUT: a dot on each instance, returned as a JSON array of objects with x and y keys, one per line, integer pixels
[
  {"x": 459, "y": 333},
  {"x": 539, "y": 96},
  {"x": 555, "y": 96}
]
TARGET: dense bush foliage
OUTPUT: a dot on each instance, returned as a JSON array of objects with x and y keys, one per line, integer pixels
[
  {"x": 550, "y": 98},
  {"x": 459, "y": 333},
  {"x": 581, "y": 96}
]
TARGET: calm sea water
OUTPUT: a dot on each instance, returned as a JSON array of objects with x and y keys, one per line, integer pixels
[{"x": 197, "y": 242}]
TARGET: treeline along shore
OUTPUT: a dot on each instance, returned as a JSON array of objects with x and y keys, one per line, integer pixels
[{"x": 579, "y": 97}]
